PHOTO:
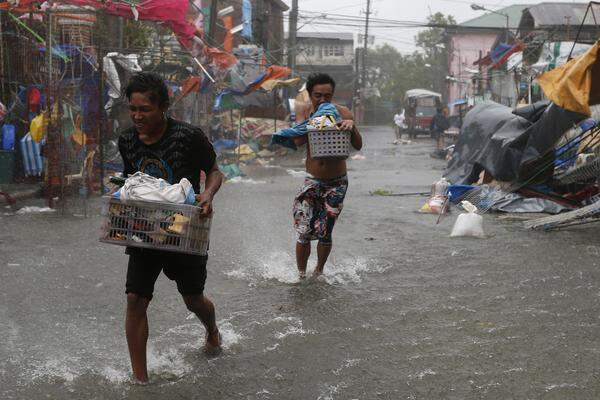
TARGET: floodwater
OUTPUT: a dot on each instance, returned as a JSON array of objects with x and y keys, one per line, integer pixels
[{"x": 402, "y": 312}]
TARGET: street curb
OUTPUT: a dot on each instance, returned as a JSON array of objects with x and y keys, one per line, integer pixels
[{"x": 11, "y": 198}]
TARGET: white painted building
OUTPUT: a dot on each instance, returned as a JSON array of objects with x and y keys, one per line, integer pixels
[{"x": 323, "y": 48}]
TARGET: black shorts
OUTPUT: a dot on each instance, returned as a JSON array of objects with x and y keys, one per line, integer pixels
[{"x": 188, "y": 271}]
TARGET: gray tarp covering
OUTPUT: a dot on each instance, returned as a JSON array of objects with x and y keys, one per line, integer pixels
[
  {"x": 508, "y": 146},
  {"x": 499, "y": 200}
]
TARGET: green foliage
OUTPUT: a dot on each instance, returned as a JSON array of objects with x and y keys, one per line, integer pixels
[
  {"x": 136, "y": 35},
  {"x": 430, "y": 39},
  {"x": 433, "y": 43},
  {"x": 395, "y": 73}
]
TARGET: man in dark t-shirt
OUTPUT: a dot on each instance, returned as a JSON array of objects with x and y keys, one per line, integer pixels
[{"x": 171, "y": 150}]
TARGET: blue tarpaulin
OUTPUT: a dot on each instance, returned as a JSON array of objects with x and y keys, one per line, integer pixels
[
  {"x": 247, "y": 19},
  {"x": 499, "y": 51},
  {"x": 285, "y": 136}
]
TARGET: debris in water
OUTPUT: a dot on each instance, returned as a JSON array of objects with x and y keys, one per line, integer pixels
[
  {"x": 300, "y": 174},
  {"x": 34, "y": 210},
  {"x": 381, "y": 192}
]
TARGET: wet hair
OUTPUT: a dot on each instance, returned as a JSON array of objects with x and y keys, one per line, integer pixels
[
  {"x": 318, "y": 79},
  {"x": 151, "y": 83}
]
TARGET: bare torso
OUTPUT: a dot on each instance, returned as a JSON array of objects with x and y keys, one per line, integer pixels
[{"x": 321, "y": 168}]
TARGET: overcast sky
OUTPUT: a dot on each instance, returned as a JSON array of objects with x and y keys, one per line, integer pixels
[{"x": 412, "y": 10}]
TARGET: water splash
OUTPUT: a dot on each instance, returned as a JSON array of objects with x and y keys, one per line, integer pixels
[
  {"x": 347, "y": 364},
  {"x": 168, "y": 363},
  {"x": 116, "y": 376},
  {"x": 561, "y": 386},
  {"x": 296, "y": 174},
  {"x": 239, "y": 179},
  {"x": 293, "y": 327},
  {"x": 277, "y": 266},
  {"x": 229, "y": 335},
  {"x": 281, "y": 266},
  {"x": 65, "y": 369},
  {"x": 423, "y": 374},
  {"x": 331, "y": 390},
  {"x": 350, "y": 270},
  {"x": 192, "y": 334}
]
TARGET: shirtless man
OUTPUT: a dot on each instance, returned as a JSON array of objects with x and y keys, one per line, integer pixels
[{"x": 319, "y": 202}]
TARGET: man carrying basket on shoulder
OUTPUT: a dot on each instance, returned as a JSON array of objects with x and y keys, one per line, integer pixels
[
  {"x": 320, "y": 200},
  {"x": 165, "y": 148}
]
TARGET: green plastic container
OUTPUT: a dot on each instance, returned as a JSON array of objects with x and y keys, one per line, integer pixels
[{"x": 7, "y": 166}]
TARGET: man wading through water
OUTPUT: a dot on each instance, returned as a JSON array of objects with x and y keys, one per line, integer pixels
[
  {"x": 165, "y": 148},
  {"x": 319, "y": 202}
]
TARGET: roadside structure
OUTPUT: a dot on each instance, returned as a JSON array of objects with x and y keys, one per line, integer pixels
[
  {"x": 470, "y": 41},
  {"x": 328, "y": 52}
]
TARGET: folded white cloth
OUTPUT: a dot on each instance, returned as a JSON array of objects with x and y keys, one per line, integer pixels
[{"x": 140, "y": 186}]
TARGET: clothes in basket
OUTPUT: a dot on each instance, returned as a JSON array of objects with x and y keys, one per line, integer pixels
[{"x": 141, "y": 186}]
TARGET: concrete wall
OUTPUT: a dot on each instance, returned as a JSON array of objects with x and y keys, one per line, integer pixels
[
  {"x": 313, "y": 51},
  {"x": 464, "y": 50}
]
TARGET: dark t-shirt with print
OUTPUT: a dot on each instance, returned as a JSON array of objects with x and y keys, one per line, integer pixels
[{"x": 182, "y": 152}]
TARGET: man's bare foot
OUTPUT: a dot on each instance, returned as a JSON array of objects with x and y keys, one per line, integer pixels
[
  {"x": 213, "y": 343},
  {"x": 317, "y": 272},
  {"x": 302, "y": 274},
  {"x": 139, "y": 382}
]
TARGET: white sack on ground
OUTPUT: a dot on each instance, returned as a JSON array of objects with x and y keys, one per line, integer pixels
[{"x": 468, "y": 224}]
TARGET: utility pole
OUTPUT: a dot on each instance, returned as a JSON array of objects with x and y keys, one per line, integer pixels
[
  {"x": 366, "y": 43},
  {"x": 293, "y": 27},
  {"x": 212, "y": 23}
]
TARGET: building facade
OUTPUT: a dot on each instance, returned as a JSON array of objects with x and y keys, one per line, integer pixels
[
  {"x": 331, "y": 53},
  {"x": 470, "y": 41}
]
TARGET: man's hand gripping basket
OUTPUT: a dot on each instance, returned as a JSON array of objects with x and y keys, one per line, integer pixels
[{"x": 326, "y": 141}]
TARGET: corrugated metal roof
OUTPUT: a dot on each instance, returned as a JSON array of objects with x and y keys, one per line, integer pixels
[
  {"x": 553, "y": 14},
  {"x": 421, "y": 93},
  {"x": 281, "y": 4},
  {"x": 491, "y": 20},
  {"x": 326, "y": 35}
]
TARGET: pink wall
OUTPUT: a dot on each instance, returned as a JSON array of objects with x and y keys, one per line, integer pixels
[{"x": 464, "y": 51}]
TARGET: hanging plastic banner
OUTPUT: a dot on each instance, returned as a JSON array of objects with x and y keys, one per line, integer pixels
[
  {"x": 33, "y": 163},
  {"x": 247, "y": 19}
]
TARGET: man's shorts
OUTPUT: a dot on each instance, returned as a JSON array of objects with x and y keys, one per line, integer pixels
[
  {"x": 317, "y": 206},
  {"x": 188, "y": 271}
]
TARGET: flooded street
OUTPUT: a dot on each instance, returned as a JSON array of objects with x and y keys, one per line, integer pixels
[{"x": 402, "y": 311}]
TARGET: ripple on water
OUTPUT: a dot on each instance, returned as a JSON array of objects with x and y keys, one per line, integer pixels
[
  {"x": 292, "y": 326},
  {"x": 193, "y": 333},
  {"x": 422, "y": 374},
  {"x": 64, "y": 369},
  {"x": 561, "y": 386},
  {"x": 277, "y": 266}
]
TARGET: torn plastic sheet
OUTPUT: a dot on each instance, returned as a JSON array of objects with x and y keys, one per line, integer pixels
[
  {"x": 495, "y": 199},
  {"x": 510, "y": 146}
]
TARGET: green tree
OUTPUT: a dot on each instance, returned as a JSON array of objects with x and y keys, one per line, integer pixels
[
  {"x": 136, "y": 35},
  {"x": 433, "y": 44},
  {"x": 393, "y": 73}
]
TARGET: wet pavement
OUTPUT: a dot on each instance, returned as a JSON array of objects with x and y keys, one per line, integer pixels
[{"x": 402, "y": 312}]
